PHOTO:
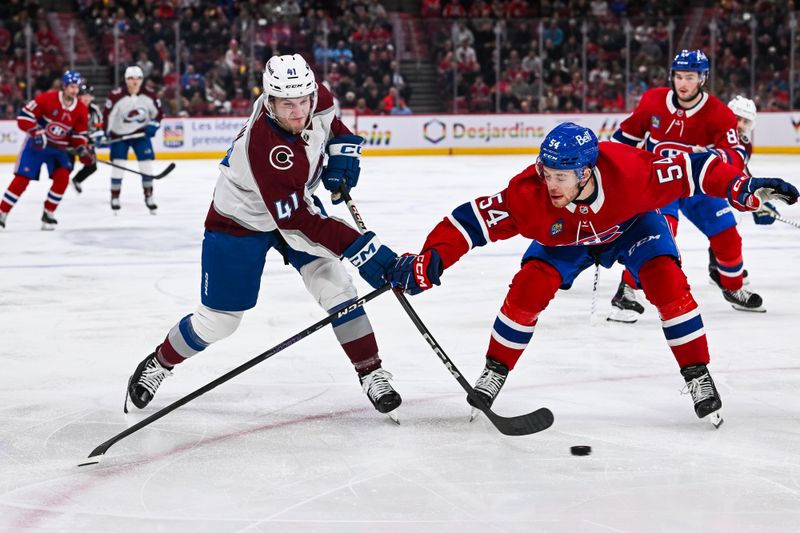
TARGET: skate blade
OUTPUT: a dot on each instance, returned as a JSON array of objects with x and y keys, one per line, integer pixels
[
  {"x": 153, "y": 212},
  {"x": 623, "y": 316},
  {"x": 749, "y": 310},
  {"x": 716, "y": 419},
  {"x": 48, "y": 227},
  {"x": 393, "y": 417},
  {"x": 474, "y": 414}
]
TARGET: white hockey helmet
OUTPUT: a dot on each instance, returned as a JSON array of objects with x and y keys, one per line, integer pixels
[
  {"x": 743, "y": 107},
  {"x": 133, "y": 72},
  {"x": 289, "y": 76}
]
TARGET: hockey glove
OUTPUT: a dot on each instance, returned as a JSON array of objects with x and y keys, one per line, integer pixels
[
  {"x": 372, "y": 259},
  {"x": 151, "y": 129},
  {"x": 417, "y": 273},
  {"x": 99, "y": 138},
  {"x": 86, "y": 155},
  {"x": 765, "y": 215},
  {"x": 38, "y": 138},
  {"x": 748, "y": 194},
  {"x": 341, "y": 173}
]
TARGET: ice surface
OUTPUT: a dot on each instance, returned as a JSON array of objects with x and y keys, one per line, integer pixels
[{"x": 293, "y": 444}]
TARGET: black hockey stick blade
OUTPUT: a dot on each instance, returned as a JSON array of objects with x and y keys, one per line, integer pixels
[
  {"x": 100, "y": 450},
  {"x": 526, "y": 424},
  {"x": 164, "y": 172}
]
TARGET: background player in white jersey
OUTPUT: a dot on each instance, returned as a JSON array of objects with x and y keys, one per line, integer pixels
[
  {"x": 132, "y": 116},
  {"x": 685, "y": 118},
  {"x": 264, "y": 200},
  {"x": 86, "y": 95}
]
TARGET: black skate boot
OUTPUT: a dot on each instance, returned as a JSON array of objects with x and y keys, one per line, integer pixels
[
  {"x": 377, "y": 388},
  {"x": 744, "y": 300},
  {"x": 115, "y": 204},
  {"x": 149, "y": 201},
  {"x": 626, "y": 307},
  {"x": 145, "y": 380},
  {"x": 713, "y": 272},
  {"x": 704, "y": 394},
  {"x": 3, "y": 217},
  {"x": 488, "y": 384},
  {"x": 48, "y": 221},
  {"x": 76, "y": 185}
]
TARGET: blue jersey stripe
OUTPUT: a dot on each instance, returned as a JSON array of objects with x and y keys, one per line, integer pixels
[{"x": 465, "y": 216}]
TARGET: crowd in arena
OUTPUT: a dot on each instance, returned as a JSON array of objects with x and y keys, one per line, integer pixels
[{"x": 352, "y": 45}]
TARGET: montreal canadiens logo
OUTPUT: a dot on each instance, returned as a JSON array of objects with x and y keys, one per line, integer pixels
[
  {"x": 56, "y": 130},
  {"x": 671, "y": 149},
  {"x": 281, "y": 157}
]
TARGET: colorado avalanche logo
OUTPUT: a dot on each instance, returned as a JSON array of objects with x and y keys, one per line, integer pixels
[
  {"x": 138, "y": 115},
  {"x": 281, "y": 157}
]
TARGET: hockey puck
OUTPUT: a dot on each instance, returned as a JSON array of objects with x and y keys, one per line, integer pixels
[{"x": 580, "y": 450}]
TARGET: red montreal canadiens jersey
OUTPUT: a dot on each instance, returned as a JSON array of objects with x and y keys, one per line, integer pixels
[
  {"x": 629, "y": 182},
  {"x": 63, "y": 125},
  {"x": 668, "y": 129}
]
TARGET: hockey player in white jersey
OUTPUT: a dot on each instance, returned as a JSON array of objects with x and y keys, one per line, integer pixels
[
  {"x": 264, "y": 200},
  {"x": 132, "y": 116}
]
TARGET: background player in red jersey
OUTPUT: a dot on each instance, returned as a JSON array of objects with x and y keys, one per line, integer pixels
[
  {"x": 585, "y": 203},
  {"x": 55, "y": 121},
  {"x": 685, "y": 118},
  {"x": 264, "y": 200}
]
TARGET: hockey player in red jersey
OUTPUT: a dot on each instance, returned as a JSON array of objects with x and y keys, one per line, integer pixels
[
  {"x": 55, "y": 122},
  {"x": 264, "y": 200},
  {"x": 685, "y": 118},
  {"x": 585, "y": 203},
  {"x": 745, "y": 111}
]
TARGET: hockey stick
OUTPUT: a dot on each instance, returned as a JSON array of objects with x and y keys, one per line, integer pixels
[
  {"x": 130, "y": 137},
  {"x": 158, "y": 176},
  {"x": 594, "y": 320},
  {"x": 526, "y": 424},
  {"x": 774, "y": 214},
  {"x": 96, "y": 454}
]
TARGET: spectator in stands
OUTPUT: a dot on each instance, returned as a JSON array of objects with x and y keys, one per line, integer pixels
[
  {"x": 454, "y": 9},
  {"x": 431, "y": 8},
  {"x": 362, "y": 108},
  {"x": 401, "y": 108},
  {"x": 480, "y": 95}
]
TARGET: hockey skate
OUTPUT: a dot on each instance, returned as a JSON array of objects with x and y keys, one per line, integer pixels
[
  {"x": 488, "y": 385},
  {"x": 383, "y": 397},
  {"x": 76, "y": 185},
  {"x": 144, "y": 382},
  {"x": 48, "y": 221},
  {"x": 704, "y": 394},
  {"x": 3, "y": 217},
  {"x": 115, "y": 205},
  {"x": 624, "y": 305},
  {"x": 744, "y": 300},
  {"x": 149, "y": 201}
]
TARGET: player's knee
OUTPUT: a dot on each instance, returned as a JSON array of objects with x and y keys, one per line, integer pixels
[
  {"x": 328, "y": 282},
  {"x": 212, "y": 325},
  {"x": 531, "y": 291},
  {"x": 663, "y": 281}
]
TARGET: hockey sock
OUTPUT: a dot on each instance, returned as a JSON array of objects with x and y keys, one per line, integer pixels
[
  {"x": 531, "y": 290},
  {"x": 727, "y": 248},
  {"x": 666, "y": 287},
  {"x": 60, "y": 181},
  {"x": 355, "y": 334},
  {"x": 627, "y": 279},
  {"x": 14, "y": 191},
  {"x": 180, "y": 343}
]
